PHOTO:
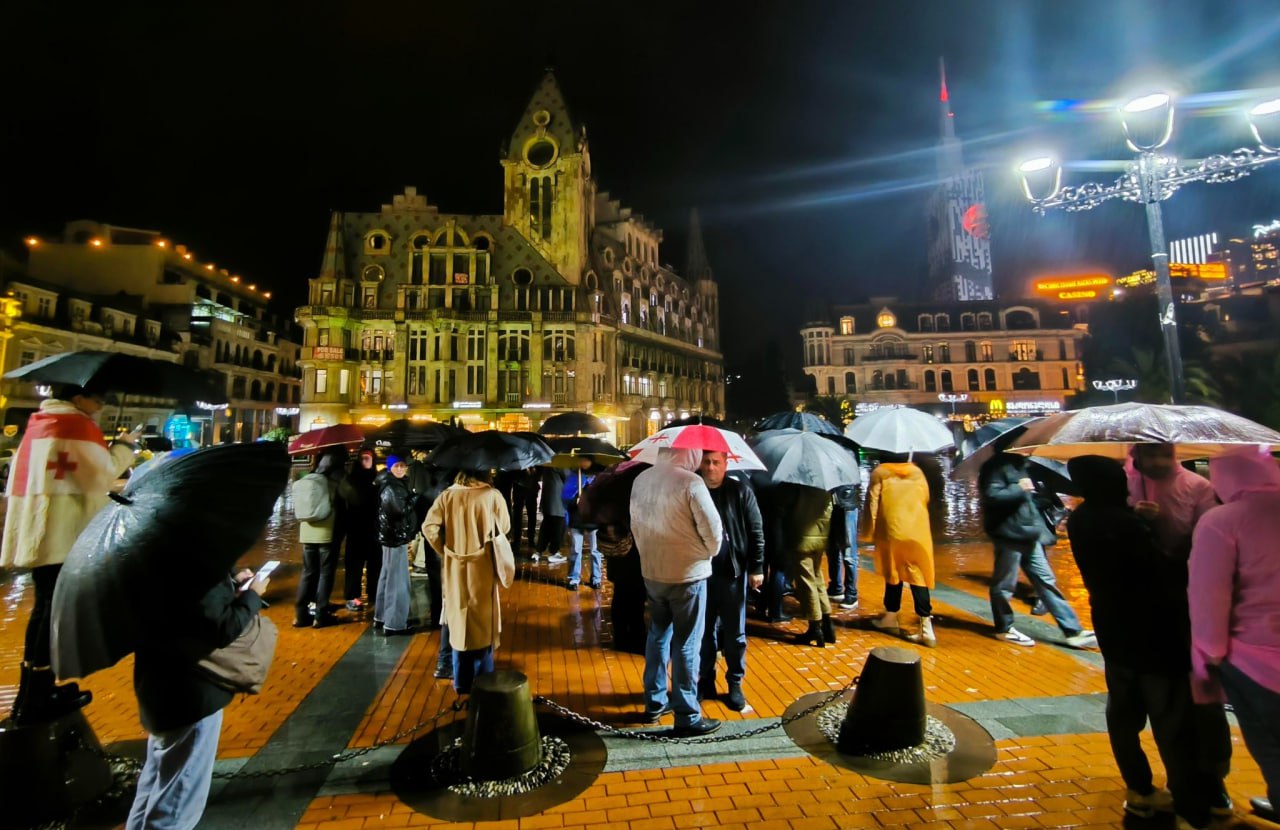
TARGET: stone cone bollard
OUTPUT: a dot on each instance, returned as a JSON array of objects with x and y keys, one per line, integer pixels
[
  {"x": 48, "y": 767},
  {"x": 501, "y": 739},
  {"x": 887, "y": 711}
]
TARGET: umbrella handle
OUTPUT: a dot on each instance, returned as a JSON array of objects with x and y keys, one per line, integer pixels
[{"x": 125, "y": 500}]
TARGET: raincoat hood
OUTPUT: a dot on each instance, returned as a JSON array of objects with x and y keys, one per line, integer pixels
[
  {"x": 900, "y": 469},
  {"x": 684, "y": 459},
  {"x": 1250, "y": 471},
  {"x": 1101, "y": 480},
  {"x": 329, "y": 465}
]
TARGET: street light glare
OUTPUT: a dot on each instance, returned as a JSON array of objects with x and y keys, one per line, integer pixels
[
  {"x": 1035, "y": 165},
  {"x": 1147, "y": 102},
  {"x": 1266, "y": 108}
]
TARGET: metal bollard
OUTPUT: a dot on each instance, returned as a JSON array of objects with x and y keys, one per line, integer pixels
[
  {"x": 888, "y": 709},
  {"x": 501, "y": 739}
]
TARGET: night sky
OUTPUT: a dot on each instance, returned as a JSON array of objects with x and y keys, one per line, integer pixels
[{"x": 803, "y": 131}]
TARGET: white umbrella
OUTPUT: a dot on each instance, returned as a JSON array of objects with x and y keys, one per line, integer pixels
[
  {"x": 900, "y": 431},
  {"x": 799, "y": 457},
  {"x": 699, "y": 437}
]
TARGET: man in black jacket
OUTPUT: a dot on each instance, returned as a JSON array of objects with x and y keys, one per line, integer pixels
[
  {"x": 397, "y": 524},
  {"x": 1011, "y": 517},
  {"x": 1148, "y": 655},
  {"x": 739, "y": 563},
  {"x": 180, "y": 707}
]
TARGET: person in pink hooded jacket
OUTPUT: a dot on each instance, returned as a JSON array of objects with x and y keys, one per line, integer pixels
[{"x": 1234, "y": 593}]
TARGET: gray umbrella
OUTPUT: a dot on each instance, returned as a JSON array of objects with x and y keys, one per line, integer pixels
[
  {"x": 806, "y": 421},
  {"x": 797, "y": 457}
]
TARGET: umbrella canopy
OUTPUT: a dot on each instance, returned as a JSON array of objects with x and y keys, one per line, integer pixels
[
  {"x": 995, "y": 436},
  {"x": 410, "y": 435},
  {"x": 1195, "y": 431},
  {"x": 795, "y": 456},
  {"x": 492, "y": 450},
  {"x": 900, "y": 431},
  {"x": 128, "y": 374},
  {"x": 698, "y": 437},
  {"x": 697, "y": 420},
  {"x": 573, "y": 423},
  {"x": 607, "y": 499},
  {"x": 339, "y": 435},
  {"x": 805, "y": 421},
  {"x": 571, "y": 450},
  {"x": 179, "y": 525}
]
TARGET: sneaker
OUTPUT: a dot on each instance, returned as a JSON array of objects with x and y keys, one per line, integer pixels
[
  {"x": 849, "y": 604},
  {"x": 534, "y": 558},
  {"x": 1083, "y": 639},
  {"x": 557, "y": 559},
  {"x": 1016, "y": 637},
  {"x": 1146, "y": 806},
  {"x": 735, "y": 699},
  {"x": 832, "y": 593},
  {"x": 1262, "y": 809},
  {"x": 654, "y": 717},
  {"x": 444, "y": 673},
  {"x": 574, "y": 585},
  {"x": 1038, "y": 608},
  {"x": 595, "y": 585},
  {"x": 356, "y": 604},
  {"x": 702, "y": 726}
]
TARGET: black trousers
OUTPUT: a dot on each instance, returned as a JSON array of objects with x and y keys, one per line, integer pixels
[
  {"x": 37, "y": 648},
  {"x": 551, "y": 536},
  {"x": 1135, "y": 697},
  {"x": 523, "y": 503},
  {"x": 319, "y": 565},
  {"x": 363, "y": 552},
  {"x": 434, "y": 587},
  {"x": 626, "y": 610},
  {"x": 919, "y": 598}
]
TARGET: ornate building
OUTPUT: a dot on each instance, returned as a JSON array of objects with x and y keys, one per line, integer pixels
[
  {"x": 124, "y": 289},
  {"x": 1016, "y": 358},
  {"x": 561, "y": 303}
]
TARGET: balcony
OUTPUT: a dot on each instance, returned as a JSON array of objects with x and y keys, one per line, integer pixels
[
  {"x": 899, "y": 357},
  {"x": 896, "y": 387}
]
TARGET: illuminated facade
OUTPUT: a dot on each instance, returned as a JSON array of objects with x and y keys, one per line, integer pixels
[
  {"x": 959, "y": 230},
  {"x": 1006, "y": 358},
  {"x": 561, "y": 303},
  {"x": 126, "y": 289}
]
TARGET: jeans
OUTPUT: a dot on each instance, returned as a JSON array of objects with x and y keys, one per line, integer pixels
[
  {"x": 676, "y": 620},
  {"x": 393, "y": 589},
  {"x": 1258, "y": 710},
  {"x": 725, "y": 628},
  {"x": 775, "y": 585},
  {"x": 174, "y": 784},
  {"x": 444, "y": 658},
  {"x": 575, "y": 557},
  {"x": 919, "y": 598},
  {"x": 1030, "y": 556},
  {"x": 37, "y": 649},
  {"x": 319, "y": 565},
  {"x": 842, "y": 563},
  {"x": 363, "y": 552},
  {"x": 468, "y": 665},
  {"x": 1133, "y": 698}
]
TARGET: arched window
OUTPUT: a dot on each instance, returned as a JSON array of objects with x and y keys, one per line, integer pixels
[
  {"x": 946, "y": 381},
  {"x": 942, "y": 322},
  {"x": 257, "y": 359},
  {"x": 1024, "y": 378},
  {"x": 984, "y": 321},
  {"x": 967, "y": 321},
  {"x": 970, "y": 351},
  {"x": 877, "y": 379},
  {"x": 850, "y": 383},
  {"x": 1019, "y": 319},
  {"x": 930, "y": 381},
  {"x": 926, "y": 322},
  {"x": 973, "y": 380},
  {"x": 989, "y": 379}
]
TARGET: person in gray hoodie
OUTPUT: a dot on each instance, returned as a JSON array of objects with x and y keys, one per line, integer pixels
[{"x": 677, "y": 532}]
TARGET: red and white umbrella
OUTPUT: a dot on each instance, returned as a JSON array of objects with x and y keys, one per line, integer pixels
[
  {"x": 699, "y": 437},
  {"x": 339, "y": 435}
]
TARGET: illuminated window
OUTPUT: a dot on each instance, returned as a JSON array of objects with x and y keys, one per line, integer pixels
[
  {"x": 1023, "y": 350},
  {"x": 926, "y": 353},
  {"x": 885, "y": 319},
  {"x": 986, "y": 352},
  {"x": 344, "y": 381},
  {"x": 846, "y": 325},
  {"x": 322, "y": 381}
]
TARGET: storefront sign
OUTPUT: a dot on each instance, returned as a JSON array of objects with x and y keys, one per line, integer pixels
[
  {"x": 1032, "y": 406},
  {"x": 327, "y": 353},
  {"x": 468, "y": 404}
]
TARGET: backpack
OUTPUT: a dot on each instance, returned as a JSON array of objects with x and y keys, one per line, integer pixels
[{"x": 311, "y": 499}]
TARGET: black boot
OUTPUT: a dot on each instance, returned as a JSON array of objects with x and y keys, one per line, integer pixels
[
  {"x": 40, "y": 701},
  {"x": 812, "y": 634},
  {"x": 828, "y": 629}
]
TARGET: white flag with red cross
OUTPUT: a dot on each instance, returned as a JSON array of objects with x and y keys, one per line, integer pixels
[{"x": 61, "y": 455}]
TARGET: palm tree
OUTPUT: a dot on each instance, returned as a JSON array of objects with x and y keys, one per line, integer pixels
[
  {"x": 1148, "y": 367},
  {"x": 1251, "y": 386},
  {"x": 829, "y": 407}
]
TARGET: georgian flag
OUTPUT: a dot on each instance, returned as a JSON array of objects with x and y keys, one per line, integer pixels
[{"x": 61, "y": 455}]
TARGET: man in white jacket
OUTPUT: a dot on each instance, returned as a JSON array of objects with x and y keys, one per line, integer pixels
[{"x": 677, "y": 532}]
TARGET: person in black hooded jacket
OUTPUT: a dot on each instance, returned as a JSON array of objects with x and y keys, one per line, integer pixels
[
  {"x": 363, "y": 550},
  {"x": 1148, "y": 652},
  {"x": 397, "y": 524}
]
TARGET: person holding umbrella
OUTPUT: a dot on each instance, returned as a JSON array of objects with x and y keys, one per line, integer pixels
[
  {"x": 60, "y": 478},
  {"x": 397, "y": 524}
]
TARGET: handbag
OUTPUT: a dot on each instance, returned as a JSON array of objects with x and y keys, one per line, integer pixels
[
  {"x": 242, "y": 666},
  {"x": 611, "y": 545},
  {"x": 504, "y": 559}
]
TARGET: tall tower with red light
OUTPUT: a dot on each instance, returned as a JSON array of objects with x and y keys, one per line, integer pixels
[{"x": 959, "y": 233}]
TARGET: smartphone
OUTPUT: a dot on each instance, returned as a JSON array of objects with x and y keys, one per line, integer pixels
[{"x": 265, "y": 571}]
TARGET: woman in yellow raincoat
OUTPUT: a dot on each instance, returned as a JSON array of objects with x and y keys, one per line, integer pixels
[{"x": 898, "y": 523}]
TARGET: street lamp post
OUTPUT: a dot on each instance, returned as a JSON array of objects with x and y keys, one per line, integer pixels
[
  {"x": 1150, "y": 179},
  {"x": 946, "y": 397},
  {"x": 1115, "y": 386}
]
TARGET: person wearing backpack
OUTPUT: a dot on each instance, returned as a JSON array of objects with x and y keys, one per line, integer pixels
[{"x": 315, "y": 498}]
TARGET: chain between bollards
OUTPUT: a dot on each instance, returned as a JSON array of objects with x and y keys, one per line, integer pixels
[{"x": 660, "y": 738}]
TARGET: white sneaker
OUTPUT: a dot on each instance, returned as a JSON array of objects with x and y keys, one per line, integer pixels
[
  {"x": 1085, "y": 639},
  {"x": 926, "y": 636},
  {"x": 557, "y": 559},
  {"x": 888, "y": 621},
  {"x": 849, "y": 606},
  {"x": 1146, "y": 806},
  {"x": 534, "y": 558},
  {"x": 1016, "y": 637}
]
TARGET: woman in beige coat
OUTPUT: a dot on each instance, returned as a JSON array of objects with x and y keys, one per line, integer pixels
[{"x": 468, "y": 524}]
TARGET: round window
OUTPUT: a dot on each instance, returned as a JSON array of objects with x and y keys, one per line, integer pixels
[
  {"x": 421, "y": 241},
  {"x": 540, "y": 153},
  {"x": 480, "y": 243},
  {"x": 542, "y": 118},
  {"x": 592, "y": 282},
  {"x": 522, "y": 276}
]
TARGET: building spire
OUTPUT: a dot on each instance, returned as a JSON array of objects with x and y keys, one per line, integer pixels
[
  {"x": 696, "y": 266},
  {"x": 950, "y": 158},
  {"x": 334, "y": 265}
]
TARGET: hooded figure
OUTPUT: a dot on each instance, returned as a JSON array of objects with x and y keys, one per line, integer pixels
[
  {"x": 898, "y": 523},
  {"x": 462, "y": 524},
  {"x": 1235, "y": 605}
]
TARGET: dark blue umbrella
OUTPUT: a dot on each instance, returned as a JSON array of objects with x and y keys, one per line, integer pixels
[
  {"x": 177, "y": 528},
  {"x": 995, "y": 436},
  {"x": 803, "y": 421}
]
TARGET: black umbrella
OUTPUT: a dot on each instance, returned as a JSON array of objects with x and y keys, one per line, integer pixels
[
  {"x": 492, "y": 450},
  {"x": 570, "y": 450},
  {"x": 124, "y": 373},
  {"x": 573, "y": 423},
  {"x": 803, "y": 421},
  {"x": 994, "y": 437},
  {"x": 695, "y": 420},
  {"x": 180, "y": 524},
  {"x": 410, "y": 435}
]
